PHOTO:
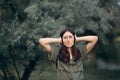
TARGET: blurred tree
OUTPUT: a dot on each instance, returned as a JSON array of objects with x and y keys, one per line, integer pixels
[
  {"x": 19, "y": 47},
  {"x": 109, "y": 51},
  {"x": 11, "y": 8}
]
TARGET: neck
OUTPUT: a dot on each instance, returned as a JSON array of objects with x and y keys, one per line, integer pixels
[{"x": 70, "y": 52}]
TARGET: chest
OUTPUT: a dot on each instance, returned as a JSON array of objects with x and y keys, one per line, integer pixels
[{"x": 70, "y": 67}]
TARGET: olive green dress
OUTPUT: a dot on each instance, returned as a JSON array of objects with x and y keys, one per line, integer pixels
[{"x": 68, "y": 71}]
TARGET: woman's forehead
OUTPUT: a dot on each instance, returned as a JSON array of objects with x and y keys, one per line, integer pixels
[{"x": 67, "y": 33}]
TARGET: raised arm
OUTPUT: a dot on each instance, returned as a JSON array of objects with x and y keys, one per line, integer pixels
[
  {"x": 91, "y": 41},
  {"x": 45, "y": 43}
]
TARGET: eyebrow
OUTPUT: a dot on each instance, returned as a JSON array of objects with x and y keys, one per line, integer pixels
[{"x": 68, "y": 36}]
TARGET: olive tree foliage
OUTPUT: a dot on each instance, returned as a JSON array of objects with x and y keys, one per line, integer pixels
[
  {"x": 19, "y": 47},
  {"x": 109, "y": 52},
  {"x": 81, "y": 15},
  {"x": 113, "y": 6}
]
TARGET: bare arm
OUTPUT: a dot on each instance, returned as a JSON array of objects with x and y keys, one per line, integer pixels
[
  {"x": 45, "y": 42},
  {"x": 90, "y": 39}
]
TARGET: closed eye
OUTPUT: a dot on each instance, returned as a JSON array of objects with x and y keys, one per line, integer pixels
[{"x": 66, "y": 37}]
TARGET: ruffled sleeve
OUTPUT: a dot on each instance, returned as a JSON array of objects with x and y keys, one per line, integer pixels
[
  {"x": 54, "y": 52},
  {"x": 83, "y": 49}
]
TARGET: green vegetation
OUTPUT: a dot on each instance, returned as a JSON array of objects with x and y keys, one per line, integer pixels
[
  {"x": 49, "y": 73},
  {"x": 23, "y": 22}
]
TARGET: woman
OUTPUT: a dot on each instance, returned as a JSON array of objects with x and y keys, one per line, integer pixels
[{"x": 67, "y": 56}]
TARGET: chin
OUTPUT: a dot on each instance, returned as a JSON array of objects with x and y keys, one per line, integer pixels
[{"x": 69, "y": 46}]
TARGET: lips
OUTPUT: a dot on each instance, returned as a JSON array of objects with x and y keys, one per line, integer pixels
[{"x": 68, "y": 43}]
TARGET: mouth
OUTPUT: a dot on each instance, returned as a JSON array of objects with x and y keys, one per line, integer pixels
[{"x": 69, "y": 44}]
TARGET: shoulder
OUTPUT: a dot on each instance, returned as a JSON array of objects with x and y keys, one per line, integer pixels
[
  {"x": 54, "y": 52},
  {"x": 55, "y": 46},
  {"x": 81, "y": 44}
]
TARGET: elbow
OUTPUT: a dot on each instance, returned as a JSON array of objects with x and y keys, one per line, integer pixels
[
  {"x": 96, "y": 38},
  {"x": 40, "y": 41}
]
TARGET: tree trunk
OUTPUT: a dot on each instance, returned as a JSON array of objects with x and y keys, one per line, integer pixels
[
  {"x": 5, "y": 74},
  {"x": 16, "y": 69},
  {"x": 0, "y": 12},
  {"x": 28, "y": 70}
]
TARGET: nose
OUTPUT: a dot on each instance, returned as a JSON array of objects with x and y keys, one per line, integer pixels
[{"x": 68, "y": 39}]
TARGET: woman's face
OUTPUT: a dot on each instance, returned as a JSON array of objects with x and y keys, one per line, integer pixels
[{"x": 68, "y": 39}]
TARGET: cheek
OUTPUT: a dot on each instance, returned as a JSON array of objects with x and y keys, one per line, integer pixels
[
  {"x": 72, "y": 40},
  {"x": 64, "y": 42}
]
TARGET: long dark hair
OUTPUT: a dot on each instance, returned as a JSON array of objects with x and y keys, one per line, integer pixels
[{"x": 63, "y": 54}]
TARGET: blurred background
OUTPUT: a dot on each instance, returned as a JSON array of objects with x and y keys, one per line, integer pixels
[{"x": 23, "y": 22}]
